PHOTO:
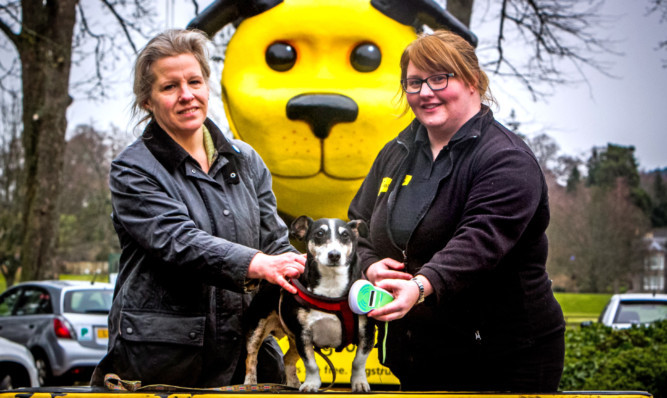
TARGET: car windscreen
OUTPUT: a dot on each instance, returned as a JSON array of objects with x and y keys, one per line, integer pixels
[
  {"x": 641, "y": 311},
  {"x": 88, "y": 301}
]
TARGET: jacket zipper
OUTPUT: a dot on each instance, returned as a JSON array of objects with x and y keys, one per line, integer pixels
[
  {"x": 392, "y": 196},
  {"x": 404, "y": 252}
]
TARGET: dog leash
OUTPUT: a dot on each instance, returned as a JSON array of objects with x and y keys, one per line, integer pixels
[
  {"x": 333, "y": 369},
  {"x": 114, "y": 383}
]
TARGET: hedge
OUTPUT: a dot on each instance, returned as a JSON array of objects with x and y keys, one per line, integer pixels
[{"x": 600, "y": 358}]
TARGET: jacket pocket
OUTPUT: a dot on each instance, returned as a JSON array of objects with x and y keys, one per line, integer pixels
[{"x": 159, "y": 327}]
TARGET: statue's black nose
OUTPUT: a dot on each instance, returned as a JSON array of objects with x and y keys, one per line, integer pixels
[{"x": 322, "y": 111}]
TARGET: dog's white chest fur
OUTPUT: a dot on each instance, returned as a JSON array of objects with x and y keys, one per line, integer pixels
[{"x": 326, "y": 328}]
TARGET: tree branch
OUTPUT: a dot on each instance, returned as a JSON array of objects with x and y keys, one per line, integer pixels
[
  {"x": 13, "y": 37},
  {"x": 556, "y": 30},
  {"x": 195, "y": 4},
  {"x": 501, "y": 36},
  {"x": 98, "y": 43},
  {"x": 122, "y": 22}
]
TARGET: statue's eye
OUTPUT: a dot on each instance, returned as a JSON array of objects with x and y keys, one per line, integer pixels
[
  {"x": 280, "y": 56},
  {"x": 366, "y": 57}
]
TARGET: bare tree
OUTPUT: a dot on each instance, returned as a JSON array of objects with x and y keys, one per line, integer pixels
[
  {"x": 552, "y": 30},
  {"x": 545, "y": 149},
  {"x": 49, "y": 37},
  {"x": 86, "y": 232},
  {"x": 569, "y": 236},
  {"x": 617, "y": 227},
  {"x": 660, "y": 7},
  {"x": 11, "y": 168},
  {"x": 595, "y": 238}
]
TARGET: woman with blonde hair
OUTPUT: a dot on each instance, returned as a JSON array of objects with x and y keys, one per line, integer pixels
[
  {"x": 457, "y": 208},
  {"x": 198, "y": 228}
]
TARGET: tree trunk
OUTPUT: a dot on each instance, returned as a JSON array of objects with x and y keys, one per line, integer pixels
[
  {"x": 461, "y": 9},
  {"x": 45, "y": 49}
]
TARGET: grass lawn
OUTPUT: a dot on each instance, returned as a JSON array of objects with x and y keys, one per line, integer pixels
[
  {"x": 100, "y": 278},
  {"x": 580, "y": 307}
]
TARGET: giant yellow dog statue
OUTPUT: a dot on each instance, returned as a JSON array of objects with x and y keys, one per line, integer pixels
[{"x": 312, "y": 84}]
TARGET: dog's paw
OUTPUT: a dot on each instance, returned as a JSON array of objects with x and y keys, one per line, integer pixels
[
  {"x": 309, "y": 387},
  {"x": 293, "y": 382},
  {"x": 360, "y": 386},
  {"x": 250, "y": 379}
]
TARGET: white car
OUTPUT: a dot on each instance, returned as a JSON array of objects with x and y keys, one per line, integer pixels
[
  {"x": 17, "y": 366},
  {"x": 624, "y": 310},
  {"x": 62, "y": 323}
]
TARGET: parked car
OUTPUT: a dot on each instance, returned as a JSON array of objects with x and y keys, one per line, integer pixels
[
  {"x": 62, "y": 323},
  {"x": 17, "y": 366},
  {"x": 624, "y": 310}
]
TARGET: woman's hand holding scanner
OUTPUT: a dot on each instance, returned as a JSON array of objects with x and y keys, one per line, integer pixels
[
  {"x": 406, "y": 294},
  {"x": 277, "y": 269},
  {"x": 386, "y": 268},
  {"x": 364, "y": 297}
]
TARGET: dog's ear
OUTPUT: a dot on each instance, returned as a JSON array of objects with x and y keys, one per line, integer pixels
[
  {"x": 359, "y": 227},
  {"x": 299, "y": 227}
]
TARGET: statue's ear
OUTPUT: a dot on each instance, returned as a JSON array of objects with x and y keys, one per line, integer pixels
[
  {"x": 424, "y": 12},
  {"x": 221, "y": 12}
]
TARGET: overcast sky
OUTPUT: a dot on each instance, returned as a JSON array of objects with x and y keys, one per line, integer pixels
[{"x": 626, "y": 110}]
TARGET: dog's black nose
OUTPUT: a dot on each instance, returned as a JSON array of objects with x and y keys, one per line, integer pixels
[
  {"x": 322, "y": 111},
  {"x": 334, "y": 256}
]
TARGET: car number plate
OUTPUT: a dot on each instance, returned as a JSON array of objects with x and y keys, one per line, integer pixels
[{"x": 102, "y": 333}]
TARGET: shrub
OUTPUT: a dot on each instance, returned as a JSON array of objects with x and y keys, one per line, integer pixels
[{"x": 600, "y": 358}]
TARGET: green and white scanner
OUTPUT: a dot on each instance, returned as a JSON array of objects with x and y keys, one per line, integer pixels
[{"x": 364, "y": 297}]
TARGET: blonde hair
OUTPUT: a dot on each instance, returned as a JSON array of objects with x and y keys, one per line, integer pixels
[
  {"x": 441, "y": 51},
  {"x": 169, "y": 43}
]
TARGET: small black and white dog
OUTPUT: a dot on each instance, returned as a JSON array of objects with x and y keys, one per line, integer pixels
[{"x": 319, "y": 315}]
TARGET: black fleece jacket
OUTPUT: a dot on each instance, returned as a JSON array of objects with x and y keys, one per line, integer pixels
[{"x": 481, "y": 244}]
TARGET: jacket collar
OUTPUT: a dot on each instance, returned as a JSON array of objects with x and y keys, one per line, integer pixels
[{"x": 171, "y": 155}]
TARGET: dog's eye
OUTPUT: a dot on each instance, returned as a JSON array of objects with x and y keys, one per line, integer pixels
[
  {"x": 280, "y": 56},
  {"x": 345, "y": 235},
  {"x": 366, "y": 57},
  {"x": 319, "y": 234}
]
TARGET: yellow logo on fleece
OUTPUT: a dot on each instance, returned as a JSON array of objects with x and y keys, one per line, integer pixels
[{"x": 384, "y": 187}]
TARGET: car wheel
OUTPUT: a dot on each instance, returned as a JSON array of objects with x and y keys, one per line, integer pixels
[
  {"x": 6, "y": 383},
  {"x": 43, "y": 370},
  {"x": 12, "y": 377}
]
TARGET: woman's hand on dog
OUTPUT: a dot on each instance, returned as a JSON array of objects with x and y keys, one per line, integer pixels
[
  {"x": 277, "y": 269},
  {"x": 387, "y": 268}
]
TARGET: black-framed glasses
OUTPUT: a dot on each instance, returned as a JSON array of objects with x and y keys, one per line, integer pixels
[{"x": 438, "y": 82}]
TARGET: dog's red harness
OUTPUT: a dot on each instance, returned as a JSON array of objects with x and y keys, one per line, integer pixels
[{"x": 337, "y": 306}]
